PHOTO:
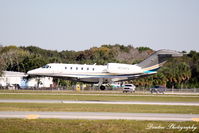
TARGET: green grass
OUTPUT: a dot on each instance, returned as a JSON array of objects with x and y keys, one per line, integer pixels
[
  {"x": 89, "y": 126},
  {"x": 98, "y": 108},
  {"x": 101, "y": 97},
  {"x": 60, "y": 91},
  {"x": 66, "y": 91},
  {"x": 118, "y": 92}
]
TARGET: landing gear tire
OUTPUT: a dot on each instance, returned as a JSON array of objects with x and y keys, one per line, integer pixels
[{"x": 102, "y": 87}]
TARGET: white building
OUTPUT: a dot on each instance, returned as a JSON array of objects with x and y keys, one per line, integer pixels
[
  {"x": 40, "y": 82},
  {"x": 11, "y": 79}
]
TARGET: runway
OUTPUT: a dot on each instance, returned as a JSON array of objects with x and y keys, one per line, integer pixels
[
  {"x": 100, "y": 116},
  {"x": 100, "y": 102}
]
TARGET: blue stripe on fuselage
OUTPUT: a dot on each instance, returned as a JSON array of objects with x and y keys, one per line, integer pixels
[{"x": 152, "y": 70}]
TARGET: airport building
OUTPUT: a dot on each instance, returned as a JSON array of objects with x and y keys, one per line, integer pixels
[
  {"x": 41, "y": 82},
  {"x": 15, "y": 80}
]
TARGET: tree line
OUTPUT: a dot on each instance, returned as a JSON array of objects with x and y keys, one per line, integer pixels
[{"x": 182, "y": 72}]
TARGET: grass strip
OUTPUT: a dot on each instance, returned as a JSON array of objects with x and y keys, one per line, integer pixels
[
  {"x": 92, "y": 126},
  {"x": 119, "y": 92},
  {"x": 101, "y": 97},
  {"x": 98, "y": 108}
]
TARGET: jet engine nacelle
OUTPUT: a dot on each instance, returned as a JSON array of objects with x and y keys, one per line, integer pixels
[{"x": 123, "y": 68}]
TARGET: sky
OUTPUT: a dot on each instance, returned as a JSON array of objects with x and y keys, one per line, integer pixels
[{"x": 82, "y": 24}]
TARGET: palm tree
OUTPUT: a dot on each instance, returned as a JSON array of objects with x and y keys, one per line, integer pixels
[{"x": 177, "y": 73}]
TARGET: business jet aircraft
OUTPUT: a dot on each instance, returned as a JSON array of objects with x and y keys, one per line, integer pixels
[{"x": 112, "y": 72}]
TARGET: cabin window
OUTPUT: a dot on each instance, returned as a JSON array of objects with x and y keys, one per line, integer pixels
[
  {"x": 82, "y": 68},
  {"x": 93, "y": 69},
  {"x": 71, "y": 68},
  {"x": 46, "y": 66},
  {"x": 65, "y": 67},
  {"x": 87, "y": 68},
  {"x": 76, "y": 68}
]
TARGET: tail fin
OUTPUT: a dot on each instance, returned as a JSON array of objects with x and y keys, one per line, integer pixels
[{"x": 153, "y": 62}]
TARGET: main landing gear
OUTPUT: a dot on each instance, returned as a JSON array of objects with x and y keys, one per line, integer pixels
[{"x": 102, "y": 87}]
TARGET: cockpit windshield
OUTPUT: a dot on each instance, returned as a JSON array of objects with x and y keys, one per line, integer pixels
[{"x": 46, "y": 66}]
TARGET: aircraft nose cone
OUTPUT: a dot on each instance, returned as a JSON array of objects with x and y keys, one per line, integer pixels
[{"x": 30, "y": 72}]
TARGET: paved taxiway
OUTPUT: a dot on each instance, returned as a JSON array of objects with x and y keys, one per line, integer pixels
[
  {"x": 100, "y": 102},
  {"x": 99, "y": 116}
]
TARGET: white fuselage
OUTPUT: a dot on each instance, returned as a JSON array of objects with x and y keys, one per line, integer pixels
[{"x": 88, "y": 73}]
